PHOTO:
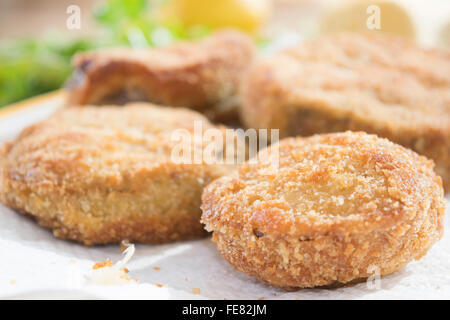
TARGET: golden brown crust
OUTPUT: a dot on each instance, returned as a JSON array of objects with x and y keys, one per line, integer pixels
[
  {"x": 202, "y": 76},
  {"x": 335, "y": 206},
  {"x": 355, "y": 82},
  {"x": 102, "y": 175}
]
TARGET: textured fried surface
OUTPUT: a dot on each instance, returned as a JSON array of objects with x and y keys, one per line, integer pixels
[
  {"x": 101, "y": 175},
  {"x": 203, "y": 76},
  {"x": 355, "y": 82},
  {"x": 336, "y": 207}
]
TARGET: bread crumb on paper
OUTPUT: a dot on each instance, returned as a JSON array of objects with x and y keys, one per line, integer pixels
[
  {"x": 102, "y": 264},
  {"x": 108, "y": 273},
  {"x": 195, "y": 290}
]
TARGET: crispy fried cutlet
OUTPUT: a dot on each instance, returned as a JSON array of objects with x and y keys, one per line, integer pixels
[
  {"x": 102, "y": 175},
  {"x": 337, "y": 208},
  {"x": 355, "y": 82},
  {"x": 199, "y": 75}
]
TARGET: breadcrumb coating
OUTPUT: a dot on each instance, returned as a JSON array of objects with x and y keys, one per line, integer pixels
[
  {"x": 199, "y": 75},
  {"x": 336, "y": 206},
  {"x": 102, "y": 175},
  {"x": 369, "y": 83}
]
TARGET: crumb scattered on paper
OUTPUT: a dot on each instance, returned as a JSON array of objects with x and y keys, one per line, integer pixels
[
  {"x": 108, "y": 273},
  {"x": 102, "y": 264}
]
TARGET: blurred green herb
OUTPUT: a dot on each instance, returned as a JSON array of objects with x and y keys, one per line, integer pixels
[
  {"x": 33, "y": 66},
  {"x": 29, "y": 66}
]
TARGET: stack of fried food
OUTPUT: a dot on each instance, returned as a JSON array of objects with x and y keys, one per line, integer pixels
[{"x": 358, "y": 180}]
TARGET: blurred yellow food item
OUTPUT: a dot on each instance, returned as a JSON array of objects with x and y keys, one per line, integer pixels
[
  {"x": 368, "y": 16},
  {"x": 247, "y": 15}
]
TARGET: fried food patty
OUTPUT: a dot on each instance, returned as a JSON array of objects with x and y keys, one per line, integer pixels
[
  {"x": 102, "y": 175},
  {"x": 355, "y": 82},
  {"x": 338, "y": 207},
  {"x": 202, "y": 76}
]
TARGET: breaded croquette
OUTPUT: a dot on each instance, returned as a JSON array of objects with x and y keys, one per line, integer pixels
[
  {"x": 201, "y": 75},
  {"x": 102, "y": 175},
  {"x": 375, "y": 84},
  {"x": 337, "y": 208}
]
